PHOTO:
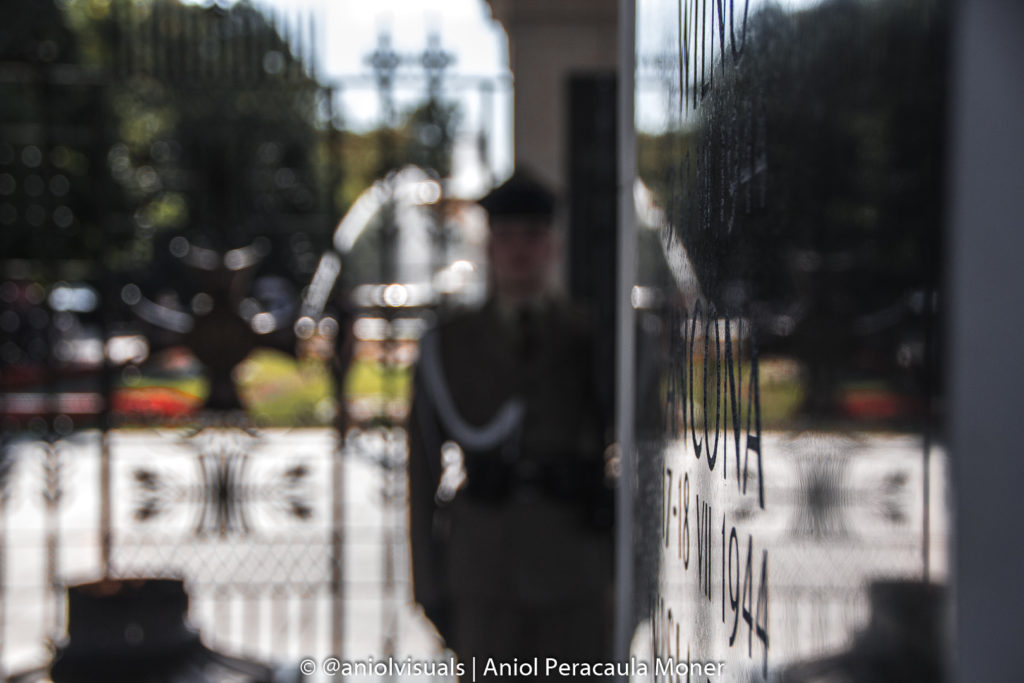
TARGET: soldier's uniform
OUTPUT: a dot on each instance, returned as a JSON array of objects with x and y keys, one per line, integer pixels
[{"x": 517, "y": 563}]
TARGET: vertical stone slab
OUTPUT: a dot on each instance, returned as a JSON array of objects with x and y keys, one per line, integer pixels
[{"x": 791, "y": 519}]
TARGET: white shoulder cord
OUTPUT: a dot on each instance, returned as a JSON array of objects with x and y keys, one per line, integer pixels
[{"x": 504, "y": 423}]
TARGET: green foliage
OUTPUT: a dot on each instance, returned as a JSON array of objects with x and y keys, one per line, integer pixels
[
  {"x": 196, "y": 120},
  {"x": 808, "y": 189},
  {"x": 280, "y": 390},
  {"x": 425, "y": 137},
  {"x": 370, "y": 379}
]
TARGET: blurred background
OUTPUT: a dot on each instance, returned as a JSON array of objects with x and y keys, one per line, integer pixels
[{"x": 223, "y": 228}]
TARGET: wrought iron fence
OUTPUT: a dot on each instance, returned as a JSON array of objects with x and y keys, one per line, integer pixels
[{"x": 175, "y": 183}]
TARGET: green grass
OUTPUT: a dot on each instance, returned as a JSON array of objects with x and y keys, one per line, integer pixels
[
  {"x": 280, "y": 390},
  {"x": 369, "y": 379}
]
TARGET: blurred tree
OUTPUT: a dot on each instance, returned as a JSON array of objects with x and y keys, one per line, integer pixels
[
  {"x": 430, "y": 136},
  {"x": 203, "y": 121},
  {"x": 809, "y": 196},
  {"x": 218, "y": 130},
  {"x": 425, "y": 137},
  {"x": 53, "y": 113}
]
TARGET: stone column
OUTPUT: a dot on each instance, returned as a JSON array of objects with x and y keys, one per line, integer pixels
[{"x": 549, "y": 41}]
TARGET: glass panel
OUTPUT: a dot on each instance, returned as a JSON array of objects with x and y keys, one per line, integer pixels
[{"x": 792, "y": 502}]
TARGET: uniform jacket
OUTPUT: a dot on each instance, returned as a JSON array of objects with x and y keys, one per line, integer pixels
[{"x": 532, "y": 523}]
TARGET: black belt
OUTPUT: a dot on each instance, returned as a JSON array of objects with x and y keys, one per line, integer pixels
[{"x": 489, "y": 478}]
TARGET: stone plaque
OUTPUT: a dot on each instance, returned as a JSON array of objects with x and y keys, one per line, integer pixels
[{"x": 791, "y": 515}]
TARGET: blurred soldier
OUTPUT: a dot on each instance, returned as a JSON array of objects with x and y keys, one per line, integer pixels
[{"x": 510, "y": 511}]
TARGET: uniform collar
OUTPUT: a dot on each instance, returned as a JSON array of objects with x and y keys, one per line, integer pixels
[{"x": 509, "y": 313}]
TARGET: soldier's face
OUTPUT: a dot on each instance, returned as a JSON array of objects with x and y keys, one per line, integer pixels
[{"x": 522, "y": 252}]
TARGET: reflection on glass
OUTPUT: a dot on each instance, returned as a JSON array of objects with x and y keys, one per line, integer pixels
[{"x": 791, "y": 480}]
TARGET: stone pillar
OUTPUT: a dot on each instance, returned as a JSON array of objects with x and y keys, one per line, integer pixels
[{"x": 549, "y": 41}]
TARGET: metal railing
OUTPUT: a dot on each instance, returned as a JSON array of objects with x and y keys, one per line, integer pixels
[{"x": 289, "y": 532}]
